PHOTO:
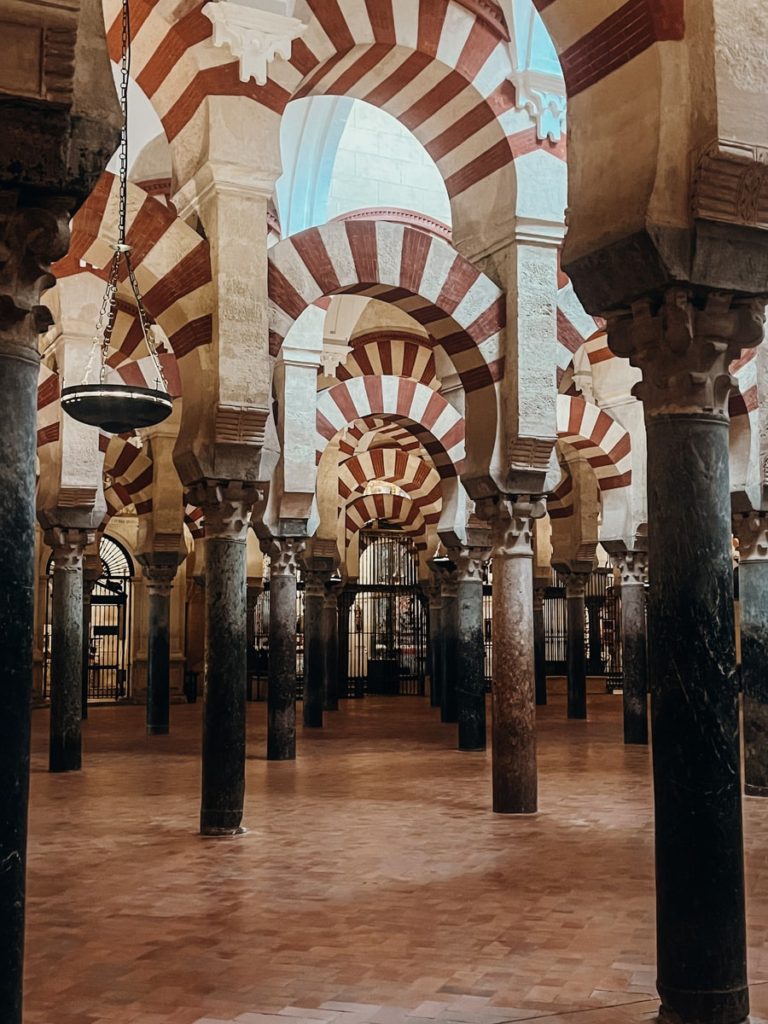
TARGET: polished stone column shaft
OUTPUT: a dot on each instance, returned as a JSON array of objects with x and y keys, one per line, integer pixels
[
  {"x": 223, "y": 792},
  {"x": 281, "y": 697},
  {"x": 514, "y": 691},
  {"x": 539, "y": 646},
  {"x": 345, "y": 603},
  {"x": 435, "y": 646},
  {"x": 159, "y": 586},
  {"x": 331, "y": 645},
  {"x": 449, "y": 620},
  {"x": 575, "y": 586},
  {"x": 752, "y": 531},
  {"x": 470, "y": 649},
  {"x": 314, "y": 651},
  {"x": 684, "y": 343},
  {"x": 633, "y": 568},
  {"x": 65, "y": 746}
]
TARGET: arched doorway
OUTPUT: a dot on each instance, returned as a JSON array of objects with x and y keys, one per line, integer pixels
[{"x": 109, "y": 666}]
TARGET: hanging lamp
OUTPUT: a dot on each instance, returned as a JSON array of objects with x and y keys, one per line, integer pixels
[{"x": 118, "y": 408}]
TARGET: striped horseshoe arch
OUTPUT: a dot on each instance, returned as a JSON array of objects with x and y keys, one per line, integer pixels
[
  {"x": 426, "y": 414},
  {"x": 560, "y": 501},
  {"x": 463, "y": 110},
  {"x": 423, "y": 275},
  {"x": 575, "y": 327},
  {"x": 130, "y": 471},
  {"x": 377, "y": 430},
  {"x": 417, "y": 478},
  {"x": 393, "y": 508},
  {"x": 392, "y": 353},
  {"x": 172, "y": 262},
  {"x": 606, "y": 445}
]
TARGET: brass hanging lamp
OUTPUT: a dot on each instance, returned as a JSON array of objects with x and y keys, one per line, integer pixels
[{"x": 118, "y": 408}]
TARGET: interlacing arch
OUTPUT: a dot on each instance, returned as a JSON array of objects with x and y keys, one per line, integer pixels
[
  {"x": 393, "y": 509},
  {"x": 172, "y": 264},
  {"x": 605, "y": 444},
  {"x": 424, "y": 412},
  {"x": 462, "y": 309},
  {"x": 419, "y": 480}
]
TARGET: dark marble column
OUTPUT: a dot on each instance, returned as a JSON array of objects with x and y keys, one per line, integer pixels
[
  {"x": 633, "y": 566},
  {"x": 159, "y": 577},
  {"x": 331, "y": 644},
  {"x": 434, "y": 649},
  {"x": 345, "y": 603},
  {"x": 251, "y": 600},
  {"x": 31, "y": 239},
  {"x": 90, "y": 578},
  {"x": 575, "y": 586},
  {"x": 539, "y": 646},
  {"x": 314, "y": 652},
  {"x": 227, "y": 510},
  {"x": 449, "y": 620},
  {"x": 470, "y": 648},
  {"x": 281, "y": 697},
  {"x": 514, "y": 691},
  {"x": 684, "y": 343},
  {"x": 752, "y": 531},
  {"x": 65, "y": 746}
]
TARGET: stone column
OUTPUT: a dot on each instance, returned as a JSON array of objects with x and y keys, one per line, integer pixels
[
  {"x": 251, "y": 600},
  {"x": 752, "y": 531},
  {"x": 331, "y": 645},
  {"x": 227, "y": 509},
  {"x": 575, "y": 587},
  {"x": 633, "y": 566},
  {"x": 281, "y": 695},
  {"x": 514, "y": 690},
  {"x": 470, "y": 648},
  {"x": 159, "y": 579},
  {"x": 684, "y": 342},
  {"x": 345, "y": 603},
  {"x": 314, "y": 653},
  {"x": 435, "y": 644},
  {"x": 65, "y": 747},
  {"x": 91, "y": 576},
  {"x": 539, "y": 646},
  {"x": 449, "y": 620}
]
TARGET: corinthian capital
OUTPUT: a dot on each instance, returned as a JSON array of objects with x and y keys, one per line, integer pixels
[
  {"x": 68, "y": 546},
  {"x": 227, "y": 507},
  {"x": 633, "y": 568},
  {"x": 284, "y": 554},
  {"x": 469, "y": 562},
  {"x": 684, "y": 345},
  {"x": 512, "y": 526},
  {"x": 751, "y": 531}
]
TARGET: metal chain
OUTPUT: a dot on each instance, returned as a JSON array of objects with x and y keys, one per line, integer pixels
[{"x": 108, "y": 313}]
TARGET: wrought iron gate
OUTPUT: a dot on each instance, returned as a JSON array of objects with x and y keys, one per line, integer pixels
[
  {"x": 385, "y": 639},
  {"x": 110, "y": 626}
]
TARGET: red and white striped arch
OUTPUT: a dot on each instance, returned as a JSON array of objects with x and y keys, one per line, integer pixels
[
  {"x": 48, "y": 394},
  {"x": 194, "y": 520},
  {"x": 605, "y": 444},
  {"x": 131, "y": 473},
  {"x": 442, "y": 67},
  {"x": 172, "y": 264},
  {"x": 560, "y": 501},
  {"x": 391, "y": 508},
  {"x": 391, "y": 353},
  {"x": 575, "y": 327},
  {"x": 462, "y": 309},
  {"x": 375, "y": 431},
  {"x": 425, "y": 413},
  {"x": 419, "y": 480}
]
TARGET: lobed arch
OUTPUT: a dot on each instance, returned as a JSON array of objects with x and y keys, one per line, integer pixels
[{"x": 424, "y": 412}]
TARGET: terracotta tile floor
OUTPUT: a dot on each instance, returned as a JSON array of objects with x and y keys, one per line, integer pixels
[{"x": 374, "y": 885}]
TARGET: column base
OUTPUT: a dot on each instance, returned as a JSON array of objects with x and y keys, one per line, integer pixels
[
  {"x": 730, "y": 1006},
  {"x": 63, "y": 769},
  {"x": 221, "y": 823},
  {"x": 158, "y": 730},
  {"x": 223, "y": 833},
  {"x": 280, "y": 756},
  {"x": 473, "y": 749},
  {"x": 751, "y": 790},
  {"x": 503, "y": 809}
]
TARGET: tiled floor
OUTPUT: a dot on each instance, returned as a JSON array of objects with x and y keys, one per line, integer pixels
[{"x": 374, "y": 885}]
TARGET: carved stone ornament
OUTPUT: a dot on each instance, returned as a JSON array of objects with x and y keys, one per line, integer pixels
[
  {"x": 751, "y": 531},
  {"x": 314, "y": 583},
  {"x": 159, "y": 579},
  {"x": 68, "y": 546},
  {"x": 543, "y": 97},
  {"x": 284, "y": 554},
  {"x": 731, "y": 184},
  {"x": 226, "y": 506},
  {"x": 684, "y": 345},
  {"x": 469, "y": 562},
  {"x": 576, "y": 584},
  {"x": 254, "y": 35},
  {"x": 633, "y": 568},
  {"x": 513, "y": 527},
  {"x": 30, "y": 240}
]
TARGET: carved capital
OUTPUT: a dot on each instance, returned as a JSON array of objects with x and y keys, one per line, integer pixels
[
  {"x": 751, "y": 531},
  {"x": 68, "y": 545},
  {"x": 31, "y": 239},
  {"x": 314, "y": 583},
  {"x": 513, "y": 527},
  {"x": 684, "y": 345},
  {"x": 284, "y": 554},
  {"x": 469, "y": 562},
  {"x": 226, "y": 506},
  {"x": 576, "y": 584},
  {"x": 633, "y": 568},
  {"x": 253, "y": 35},
  {"x": 159, "y": 579}
]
